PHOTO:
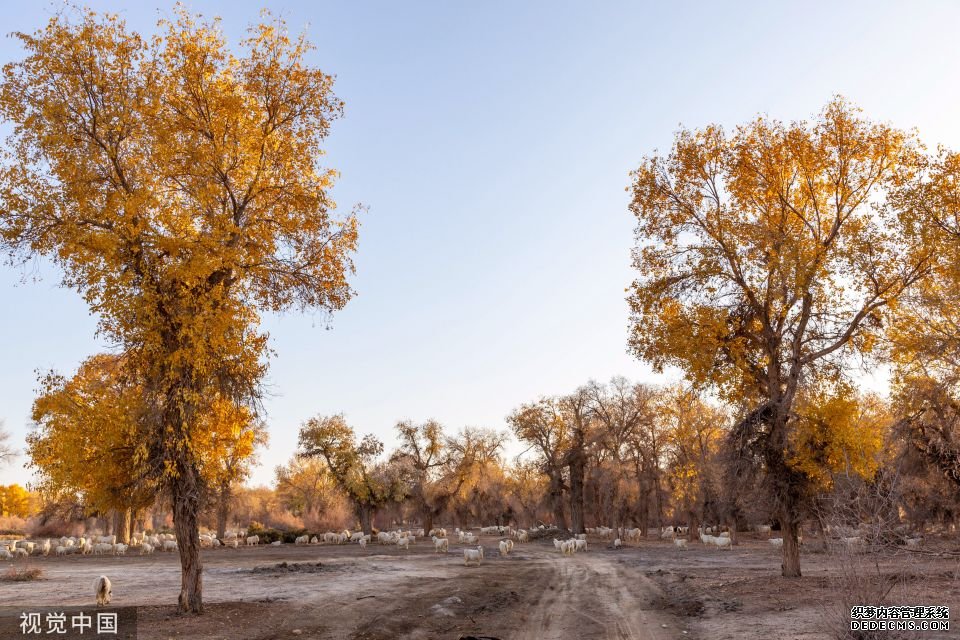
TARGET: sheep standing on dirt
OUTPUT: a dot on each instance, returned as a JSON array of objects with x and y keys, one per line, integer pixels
[
  {"x": 523, "y": 536},
  {"x": 404, "y": 543},
  {"x": 473, "y": 555},
  {"x": 302, "y": 540},
  {"x": 579, "y": 545},
  {"x": 617, "y": 543},
  {"x": 103, "y": 590},
  {"x": 169, "y": 545},
  {"x": 680, "y": 543},
  {"x": 776, "y": 542},
  {"x": 505, "y": 547},
  {"x": 568, "y": 547},
  {"x": 251, "y": 541},
  {"x": 440, "y": 544},
  {"x": 363, "y": 542},
  {"x": 146, "y": 548}
]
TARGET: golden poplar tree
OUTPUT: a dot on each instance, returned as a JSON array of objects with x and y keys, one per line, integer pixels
[
  {"x": 766, "y": 256},
  {"x": 179, "y": 188}
]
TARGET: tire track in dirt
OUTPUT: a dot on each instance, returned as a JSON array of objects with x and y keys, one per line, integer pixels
[{"x": 590, "y": 597}]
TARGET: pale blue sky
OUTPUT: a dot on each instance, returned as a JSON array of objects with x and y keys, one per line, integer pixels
[{"x": 492, "y": 143}]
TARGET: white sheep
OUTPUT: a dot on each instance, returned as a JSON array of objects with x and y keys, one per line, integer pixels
[
  {"x": 776, "y": 542},
  {"x": 568, "y": 547},
  {"x": 667, "y": 533},
  {"x": 680, "y": 543},
  {"x": 504, "y": 548},
  {"x": 440, "y": 544},
  {"x": 473, "y": 555},
  {"x": 558, "y": 545},
  {"x": 61, "y": 550},
  {"x": 146, "y": 548},
  {"x": 302, "y": 540},
  {"x": 252, "y": 541},
  {"x": 276, "y": 543},
  {"x": 45, "y": 547},
  {"x": 617, "y": 543},
  {"x": 404, "y": 543},
  {"x": 5, "y": 554},
  {"x": 119, "y": 549},
  {"x": 579, "y": 545},
  {"x": 314, "y": 540},
  {"x": 103, "y": 590},
  {"x": 362, "y": 542},
  {"x": 522, "y": 536},
  {"x": 722, "y": 542},
  {"x": 169, "y": 545}
]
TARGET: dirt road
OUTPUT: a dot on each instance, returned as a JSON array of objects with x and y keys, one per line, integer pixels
[{"x": 378, "y": 594}]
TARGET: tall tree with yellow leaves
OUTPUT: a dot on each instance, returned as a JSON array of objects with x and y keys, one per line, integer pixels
[
  {"x": 179, "y": 188},
  {"x": 766, "y": 255}
]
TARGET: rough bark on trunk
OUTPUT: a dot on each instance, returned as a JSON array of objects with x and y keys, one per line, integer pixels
[
  {"x": 556, "y": 500},
  {"x": 790, "y": 525},
  {"x": 427, "y": 522},
  {"x": 365, "y": 514},
  {"x": 577, "y": 466},
  {"x": 185, "y": 492},
  {"x": 223, "y": 510}
]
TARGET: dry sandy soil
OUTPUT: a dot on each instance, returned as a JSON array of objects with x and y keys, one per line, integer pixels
[{"x": 652, "y": 592}]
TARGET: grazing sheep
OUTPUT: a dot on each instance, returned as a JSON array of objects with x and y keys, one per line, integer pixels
[
  {"x": 473, "y": 555},
  {"x": 667, "y": 533},
  {"x": 579, "y": 545},
  {"x": 276, "y": 543},
  {"x": 363, "y": 542},
  {"x": 61, "y": 550},
  {"x": 45, "y": 547},
  {"x": 617, "y": 544},
  {"x": 568, "y": 547},
  {"x": 504, "y": 548},
  {"x": 169, "y": 545},
  {"x": 722, "y": 542},
  {"x": 776, "y": 542},
  {"x": 302, "y": 540},
  {"x": 5, "y": 554},
  {"x": 470, "y": 539},
  {"x": 523, "y": 536},
  {"x": 557, "y": 544},
  {"x": 146, "y": 548},
  {"x": 314, "y": 540},
  {"x": 680, "y": 543},
  {"x": 253, "y": 541},
  {"x": 440, "y": 544},
  {"x": 233, "y": 544},
  {"x": 404, "y": 543},
  {"x": 119, "y": 549},
  {"x": 103, "y": 590}
]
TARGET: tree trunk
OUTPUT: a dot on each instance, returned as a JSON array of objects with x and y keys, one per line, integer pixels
[
  {"x": 790, "y": 525},
  {"x": 121, "y": 525},
  {"x": 185, "y": 492},
  {"x": 556, "y": 500},
  {"x": 577, "y": 465},
  {"x": 365, "y": 514},
  {"x": 131, "y": 524},
  {"x": 223, "y": 510},
  {"x": 693, "y": 530},
  {"x": 427, "y": 522}
]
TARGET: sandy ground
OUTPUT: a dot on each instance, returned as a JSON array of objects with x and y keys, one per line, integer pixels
[{"x": 652, "y": 592}]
